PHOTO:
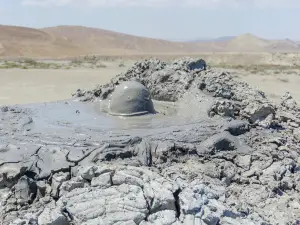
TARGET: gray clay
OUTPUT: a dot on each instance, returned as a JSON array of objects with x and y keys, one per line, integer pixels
[{"x": 218, "y": 152}]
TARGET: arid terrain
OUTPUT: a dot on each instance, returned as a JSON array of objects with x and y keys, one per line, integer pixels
[
  {"x": 48, "y": 64},
  {"x": 67, "y": 41},
  {"x": 30, "y": 81}
]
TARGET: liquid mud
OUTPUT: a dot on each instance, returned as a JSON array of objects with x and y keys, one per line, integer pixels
[{"x": 67, "y": 116}]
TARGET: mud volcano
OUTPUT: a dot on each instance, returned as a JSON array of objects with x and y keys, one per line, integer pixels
[
  {"x": 217, "y": 152},
  {"x": 130, "y": 98}
]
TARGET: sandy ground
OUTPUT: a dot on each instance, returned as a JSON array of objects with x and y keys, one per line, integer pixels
[
  {"x": 274, "y": 85},
  {"x": 30, "y": 86},
  {"x": 19, "y": 86}
]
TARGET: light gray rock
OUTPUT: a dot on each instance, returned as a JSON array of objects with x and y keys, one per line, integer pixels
[
  {"x": 52, "y": 217},
  {"x": 164, "y": 84},
  {"x": 256, "y": 112},
  {"x": 223, "y": 108},
  {"x": 74, "y": 183},
  {"x": 28, "y": 219},
  {"x": 288, "y": 102},
  {"x": 296, "y": 133},
  {"x": 288, "y": 117},
  {"x": 10, "y": 172},
  {"x": 4, "y": 193},
  {"x": 189, "y": 64},
  {"x": 121, "y": 203},
  {"x": 25, "y": 190},
  {"x": 237, "y": 127},
  {"x": 231, "y": 221},
  {"x": 90, "y": 172},
  {"x": 243, "y": 161},
  {"x": 144, "y": 151},
  {"x": 103, "y": 181},
  {"x": 159, "y": 197},
  {"x": 57, "y": 180},
  {"x": 166, "y": 217}
]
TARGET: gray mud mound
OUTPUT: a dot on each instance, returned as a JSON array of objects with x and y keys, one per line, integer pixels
[
  {"x": 130, "y": 98},
  {"x": 227, "y": 156}
]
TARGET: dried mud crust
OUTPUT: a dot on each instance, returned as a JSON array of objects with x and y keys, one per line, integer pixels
[{"x": 241, "y": 166}]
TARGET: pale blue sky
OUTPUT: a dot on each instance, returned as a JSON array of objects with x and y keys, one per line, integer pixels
[{"x": 168, "y": 19}]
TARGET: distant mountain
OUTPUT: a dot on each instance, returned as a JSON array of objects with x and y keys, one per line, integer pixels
[
  {"x": 23, "y": 41},
  {"x": 252, "y": 43},
  {"x": 225, "y": 38},
  {"x": 65, "y": 41},
  {"x": 99, "y": 41},
  {"x": 248, "y": 43}
]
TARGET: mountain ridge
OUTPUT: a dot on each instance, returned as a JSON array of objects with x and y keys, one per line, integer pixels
[{"x": 66, "y": 40}]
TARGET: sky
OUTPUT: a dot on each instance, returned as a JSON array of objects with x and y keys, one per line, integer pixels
[{"x": 166, "y": 19}]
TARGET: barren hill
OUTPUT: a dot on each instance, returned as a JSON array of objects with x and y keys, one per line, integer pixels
[
  {"x": 246, "y": 42},
  {"x": 99, "y": 41},
  {"x": 21, "y": 41},
  {"x": 251, "y": 43},
  {"x": 64, "y": 41}
]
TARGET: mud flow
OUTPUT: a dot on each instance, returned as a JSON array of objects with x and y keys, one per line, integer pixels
[{"x": 64, "y": 116}]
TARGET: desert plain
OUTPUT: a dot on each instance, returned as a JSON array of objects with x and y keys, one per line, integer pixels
[
  {"x": 65, "y": 58},
  {"x": 51, "y": 80}
]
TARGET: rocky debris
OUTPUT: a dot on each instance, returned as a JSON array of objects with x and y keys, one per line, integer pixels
[
  {"x": 257, "y": 113},
  {"x": 52, "y": 217},
  {"x": 139, "y": 196},
  {"x": 138, "y": 70},
  {"x": 221, "y": 142},
  {"x": 288, "y": 102},
  {"x": 224, "y": 108},
  {"x": 169, "y": 82},
  {"x": 239, "y": 100},
  {"x": 57, "y": 181},
  {"x": 165, "y": 82},
  {"x": 25, "y": 190},
  {"x": 237, "y": 163},
  {"x": 296, "y": 133},
  {"x": 189, "y": 64},
  {"x": 288, "y": 112},
  {"x": 237, "y": 127}
]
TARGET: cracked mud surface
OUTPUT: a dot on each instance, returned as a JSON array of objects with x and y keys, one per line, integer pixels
[{"x": 219, "y": 152}]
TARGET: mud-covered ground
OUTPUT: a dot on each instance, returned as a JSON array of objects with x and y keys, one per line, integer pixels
[{"x": 218, "y": 152}]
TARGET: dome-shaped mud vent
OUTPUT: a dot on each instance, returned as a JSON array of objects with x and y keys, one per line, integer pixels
[{"x": 130, "y": 98}]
